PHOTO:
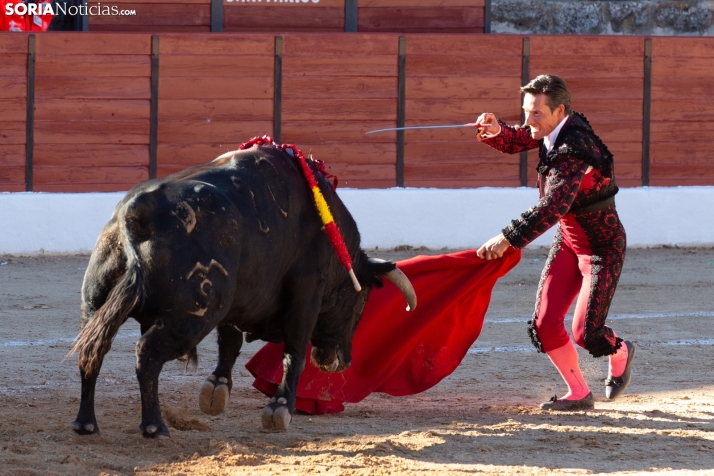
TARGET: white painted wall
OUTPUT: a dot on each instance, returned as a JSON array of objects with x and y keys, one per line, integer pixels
[{"x": 32, "y": 223}]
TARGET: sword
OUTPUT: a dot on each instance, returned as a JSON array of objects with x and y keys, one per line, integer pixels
[{"x": 408, "y": 128}]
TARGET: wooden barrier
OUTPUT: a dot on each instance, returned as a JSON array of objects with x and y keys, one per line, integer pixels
[
  {"x": 682, "y": 115},
  {"x": 13, "y": 111},
  {"x": 92, "y": 126},
  {"x": 92, "y": 103},
  {"x": 421, "y": 16},
  {"x": 185, "y": 16},
  {"x": 335, "y": 88},
  {"x": 451, "y": 81},
  {"x": 215, "y": 92},
  {"x": 321, "y": 16},
  {"x": 604, "y": 75}
]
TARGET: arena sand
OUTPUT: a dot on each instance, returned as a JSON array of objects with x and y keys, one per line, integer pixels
[{"x": 482, "y": 419}]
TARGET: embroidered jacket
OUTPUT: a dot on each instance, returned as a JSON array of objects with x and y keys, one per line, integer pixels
[{"x": 562, "y": 180}]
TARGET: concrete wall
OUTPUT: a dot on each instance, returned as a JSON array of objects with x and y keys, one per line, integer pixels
[
  {"x": 35, "y": 223},
  {"x": 637, "y": 17}
]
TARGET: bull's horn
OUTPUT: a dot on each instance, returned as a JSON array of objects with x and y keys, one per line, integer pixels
[{"x": 401, "y": 281}]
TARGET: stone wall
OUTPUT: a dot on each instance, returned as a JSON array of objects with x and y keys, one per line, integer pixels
[{"x": 637, "y": 17}]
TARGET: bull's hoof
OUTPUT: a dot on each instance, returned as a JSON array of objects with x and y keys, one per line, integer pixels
[
  {"x": 85, "y": 428},
  {"x": 214, "y": 395},
  {"x": 276, "y": 415},
  {"x": 156, "y": 431}
]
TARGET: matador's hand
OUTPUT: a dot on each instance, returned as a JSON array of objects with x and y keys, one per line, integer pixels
[
  {"x": 489, "y": 126},
  {"x": 493, "y": 248}
]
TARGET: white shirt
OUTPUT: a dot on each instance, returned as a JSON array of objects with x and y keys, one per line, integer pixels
[{"x": 550, "y": 139}]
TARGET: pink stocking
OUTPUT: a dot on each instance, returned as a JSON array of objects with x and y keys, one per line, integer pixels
[
  {"x": 618, "y": 361},
  {"x": 565, "y": 359}
]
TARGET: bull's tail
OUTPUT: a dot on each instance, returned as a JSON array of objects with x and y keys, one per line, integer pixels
[{"x": 95, "y": 338}]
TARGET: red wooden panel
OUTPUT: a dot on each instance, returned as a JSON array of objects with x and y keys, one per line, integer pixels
[
  {"x": 667, "y": 175},
  {"x": 82, "y": 43},
  {"x": 353, "y": 44},
  {"x": 215, "y": 88},
  {"x": 12, "y": 187},
  {"x": 84, "y": 187},
  {"x": 355, "y": 153},
  {"x": 352, "y": 87},
  {"x": 477, "y": 174},
  {"x": 683, "y": 67},
  {"x": 464, "y": 87},
  {"x": 59, "y": 174},
  {"x": 12, "y": 155},
  {"x": 421, "y": 3},
  {"x": 216, "y": 66},
  {"x": 215, "y": 110},
  {"x": 173, "y": 14},
  {"x": 459, "y": 111},
  {"x": 61, "y": 132},
  {"x": 682, "y": 47},
  {"x": 356, "y": 174},
  {"x": 13, "y": 110},
  {"x": 279, "y": 18},
  {"x": 486, "y": 66},
  {"x": 609, "y": 110},
  {"x": 181, "y": 156},
  {"x": 587, "y": 45},
  {"x": 299, "y": 132},
  {"x": 459, "y": 45},
  {"x": 421, "y": 19},
  {"x": 436, "y": 153},
  {"x": 682, "y": 88},
  {"x": 339, "y": 66},
  {"x": 682, "y": 153},
  {"x": 228, "y": 132},
  {"x": 123, "y": 3},
  {"x": 91, "y": 155},
  {"x": 152, "y": 28},
  {"x": 93, "y": 110},
  {"x": 665, "y": 131},
  {"x": 12, "y": 87},
  {"x": 223, "y": 44},
  {"x": 48, "y": 87},
  {"x": 605, "y": 88},
  {"x": 293, "y": 5},
  {"x": 95, "y": 65},
  {"x": 587, "y": 67},
  {"x": 444, "y": 136},
  {"x": 683, "y": 109},
  {"x": 13, "y": 43},
  {"x": 340, "y": 109},
  {"x": 12, "y": 176},
  {"x": 13, "y": 64},
  {"x": 12, "y": 132}
]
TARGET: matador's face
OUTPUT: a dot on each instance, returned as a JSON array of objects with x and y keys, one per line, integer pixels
[{"x": 541, "y": 119}]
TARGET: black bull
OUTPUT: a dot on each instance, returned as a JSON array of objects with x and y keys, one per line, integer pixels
[{"x": 237, "y": 245}]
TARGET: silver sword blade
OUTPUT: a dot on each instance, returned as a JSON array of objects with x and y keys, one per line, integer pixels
[{"x": 452, "y": 126}]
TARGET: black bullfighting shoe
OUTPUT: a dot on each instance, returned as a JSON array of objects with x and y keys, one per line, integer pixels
[
  {"x": 555, "y": 404},
  {"x": 616, "y": 386}
]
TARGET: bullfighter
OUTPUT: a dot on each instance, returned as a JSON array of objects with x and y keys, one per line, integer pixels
[{"x": 577, "y": 187}]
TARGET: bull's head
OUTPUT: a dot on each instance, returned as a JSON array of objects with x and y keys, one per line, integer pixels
[{"x": 332, "y": 348}]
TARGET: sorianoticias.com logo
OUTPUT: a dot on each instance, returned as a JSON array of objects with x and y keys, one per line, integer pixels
[{"x": 22, "y": 9}]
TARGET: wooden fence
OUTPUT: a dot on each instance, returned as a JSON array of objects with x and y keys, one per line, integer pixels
[
  {"x": 107, "y": 110},
  {"x": 246, "y": 16}
]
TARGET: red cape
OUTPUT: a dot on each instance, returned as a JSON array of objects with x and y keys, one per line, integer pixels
[{"x": 395, "y": 351}]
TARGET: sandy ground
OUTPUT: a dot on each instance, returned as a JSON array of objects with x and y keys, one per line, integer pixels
[{"x": 482, "y": 419}]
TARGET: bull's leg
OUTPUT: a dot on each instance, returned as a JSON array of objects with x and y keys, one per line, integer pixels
[
  {"x": 86, "y": 421},
  {"x": 159, "y": 344},
  {"x": 300, "y": 323},
  {"x": 217, "y": 388}
]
